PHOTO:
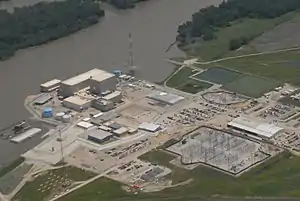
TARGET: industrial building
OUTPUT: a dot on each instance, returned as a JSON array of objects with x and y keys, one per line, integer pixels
[
  {"x": 103, "y": 105},
  {"x": 165, "y": 98},
  {"x": 99, "y": 136},
  {"x": 257, "y": 128},
  {"x": 103, "y": 82},
  {"x": 151, "y": 127},
  {"x": 97, "y": 80},
  {"x": 27, "y": 134},
  {"x": 77, "y": 103},
  {"x": 121, "y": 131},
  {"x": 43, "y": 99},
  {"x": 84, "y": 125},
  {"x": 115, "y": 97},
  {"x": 50, "y": 85}
]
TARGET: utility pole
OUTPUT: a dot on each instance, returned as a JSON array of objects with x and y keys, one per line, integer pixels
[{"x": 61, "y": 146}]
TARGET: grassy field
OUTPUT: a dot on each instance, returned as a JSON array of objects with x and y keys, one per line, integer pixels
[
  {"x": 193, "y": 86},
  {"x": 279, "y": 176},
  {"x": 179, "y": 77},
  {"x": 208, "y": 50},
  {"x": 10, "y": 167},
  {"x": 284, "y": 66},
  {"x": 51, "y": 183},
  {"x": 218, "y": 75},
  {"x": 251, "y": 86}
]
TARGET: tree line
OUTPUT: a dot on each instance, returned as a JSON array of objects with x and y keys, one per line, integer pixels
[
  {"x": 123, "y": 4},
  {"x": 206, "y": 22},
  {"x": 43, "y": 22}
]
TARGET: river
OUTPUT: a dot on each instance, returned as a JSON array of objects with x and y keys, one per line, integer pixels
[{"x": 105, "y": 45}]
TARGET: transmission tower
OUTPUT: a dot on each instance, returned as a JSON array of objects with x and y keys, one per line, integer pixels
[{"x": 131, "y": 67}]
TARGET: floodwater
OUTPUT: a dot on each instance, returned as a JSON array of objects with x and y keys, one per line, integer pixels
[{"x": 105, "y": 45}]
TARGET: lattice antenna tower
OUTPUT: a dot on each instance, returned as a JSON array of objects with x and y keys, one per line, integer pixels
[{"x": 131, "y": 63}]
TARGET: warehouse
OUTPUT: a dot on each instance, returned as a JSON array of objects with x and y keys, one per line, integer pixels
[
  {"x": 103, "y": 82},
  {"x": 50, "y": 85},
  {"x": 121, "y": 131},
  {"x": 99, "y": 136},
  {"x": 115, "y": 97},
  {"x": 166, "y": 98},
  {"x": 74, "y": 84},
  {"x": 151, "y": 127},
  {"x": 28, "y": 134},
  {"x": 77, "y": 103},
  {"x": 257, "y": 128},
  {"x": 41, "y": 100}
]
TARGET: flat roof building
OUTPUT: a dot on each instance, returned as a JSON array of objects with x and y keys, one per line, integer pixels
[
  {"x": 77, "y": 103},
  {"x": 121, "y": 131},
  {"x": 50, "y": 85},
  {"x": 85, "y": 125},
  {"x": 166, "y": 98},
  {"x": 41, "y": 100},
  {"x": 115, "y": 97},
  {"x": 149, "y": 127},
  {"x": 99, "y": 136},
  {"x": 258, "y": 128},
  {"x": 98, "y": 81}
]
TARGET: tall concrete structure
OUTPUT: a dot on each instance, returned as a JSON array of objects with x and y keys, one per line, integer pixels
[{"x": 98, "y": 81}]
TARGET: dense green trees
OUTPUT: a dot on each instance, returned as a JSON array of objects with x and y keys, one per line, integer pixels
[
  {"x": 43, "y": 22},
  {"x": 123, "y": 4},
  {"x": 207, "y": 21}
]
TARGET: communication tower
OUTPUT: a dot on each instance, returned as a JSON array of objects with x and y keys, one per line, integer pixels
[{"x": 131, "y": 66}]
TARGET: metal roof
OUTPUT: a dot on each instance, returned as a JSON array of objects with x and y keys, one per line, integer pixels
[
  {"x": 51, "y": 83},
  {"x": 260, "y": 128},
  {"x": 83, "y": 77},
  {"x": 112, "y": 95},
  {"x": 102, "y": 76},
  {"x": 42, "y": 99},
  {"x": 99, "y": 134},
  {"x": 77, "y": 100},
  {"x": 167, "y": 98},
  {"x": 149, "y": 126}
]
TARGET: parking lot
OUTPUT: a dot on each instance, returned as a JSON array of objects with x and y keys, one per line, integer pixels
[
  {"x": 219, "y": 149},
  {"x": 278, "y": 112},
  {"x": 193, "y": 114}
]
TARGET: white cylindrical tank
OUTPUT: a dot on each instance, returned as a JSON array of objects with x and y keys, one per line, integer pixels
[
  {"x": 66, "y": 118},
  {"x": 59, "y": 116}
]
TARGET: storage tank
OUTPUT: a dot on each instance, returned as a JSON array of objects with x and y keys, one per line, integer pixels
[
  {"x": 66, "y": 118},
  {"x": 47, "y": 112},
  {"x": 59, "y": 116},
  {"x": 117, "y": 72}
]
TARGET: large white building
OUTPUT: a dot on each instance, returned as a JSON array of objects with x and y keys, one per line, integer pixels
[
  {"x": 254, "y": 127},
  {"x": 98, "y": 80}
]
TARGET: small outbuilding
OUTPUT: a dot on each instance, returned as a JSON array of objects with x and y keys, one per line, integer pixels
[{"x": 151, "y": 127}]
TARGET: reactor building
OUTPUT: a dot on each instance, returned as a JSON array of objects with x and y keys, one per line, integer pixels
[{"x": 97, "y": 80}]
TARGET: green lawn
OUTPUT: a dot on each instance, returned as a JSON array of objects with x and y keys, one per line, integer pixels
[
  {"x": 218, "y": 75},
  {"x": 10, "y": 167},
  {"x": 51, "y": 183},
  {"x": 279, "y": 176},
  {"x": 251, "y": 86},
  {"x": 193, "y": 86},
  {"x": 209, "y": 50},
  {"x": 284, "y": 66},
  {"x": 179, "y": 77}
]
